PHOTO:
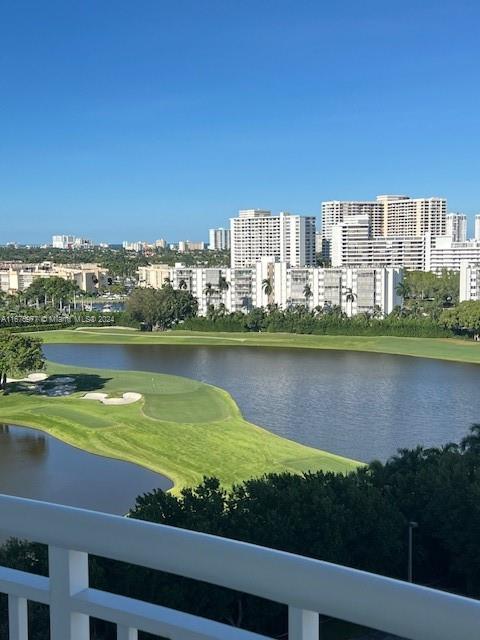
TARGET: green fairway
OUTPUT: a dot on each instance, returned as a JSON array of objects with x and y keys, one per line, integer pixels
[
  {"x": 181, "y": 428},
  {"x": 440, "y": 348}
]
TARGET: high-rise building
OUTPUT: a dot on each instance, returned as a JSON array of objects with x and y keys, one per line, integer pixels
[
  {"x": 255, "y": 234},
  {"x": 389, "y": 215},
  {"x": 337, "y": 211},
  {"x": 414, "y": 216},
  {"x": 219, "y": 239},
  {"x": 477, "y": 227},
  {"x": 345, "y": 238},
  {"x": 456, "y": 227},
  {"x": 70, "y": 242}
]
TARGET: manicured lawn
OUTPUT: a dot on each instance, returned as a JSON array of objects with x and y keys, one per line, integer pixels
[
  {"x": 440, "y": 348},
  {"x": 182, "y": 428}
]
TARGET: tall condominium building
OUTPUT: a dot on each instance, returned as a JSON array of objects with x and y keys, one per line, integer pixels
[
  {"x": 351, "y": 246},
  {"x": 477, "y": 227},
  {"x": 219, "y": 239},
  {"x": 389, "y": 215},
  {"x": 414, "y": 216},
  {"x": 255, "y": 234},
  {"x": 337, "y": 211},
  {"x": 456, "y": 227}
]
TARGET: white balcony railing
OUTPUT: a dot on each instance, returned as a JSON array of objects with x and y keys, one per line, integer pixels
[{"x": 307, "y": 586}]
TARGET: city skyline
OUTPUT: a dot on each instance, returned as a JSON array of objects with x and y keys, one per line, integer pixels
[{"x": 175, "y": 117}]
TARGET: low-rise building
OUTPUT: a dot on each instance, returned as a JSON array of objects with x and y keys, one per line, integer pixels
[{"x": 17, "y": 276}]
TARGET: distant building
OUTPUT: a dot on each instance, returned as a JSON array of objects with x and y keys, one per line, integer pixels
[
  {"x": 219, "y": 239},
  {"x": 70, "y": 242},
  {"x": 18, "y": 276},
  {"x": 161, "y": 244},
  {"x": 255, "y": 233},
  {"x": 389, "y": 216},
  {"x": 154, "y": 275},
  {"x": 477, "y": 227},
  {"x": 138, "y": 246},
  {"x": 188, "y": 245},
  {"x": 456, "y": 227},
  {"x": 351, "y": 246}
]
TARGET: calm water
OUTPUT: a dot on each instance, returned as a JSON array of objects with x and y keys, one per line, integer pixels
[
  {"x": 35, "y": 465},
  {"x": 360, "y": 405}
]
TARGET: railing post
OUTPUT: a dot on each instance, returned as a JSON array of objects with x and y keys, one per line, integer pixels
[
  {"x": 17, "y": 618},
  {"x": 125, "y": 633},
  {"x": 68, "y": 572},
  {"x": 302, "y": 624}
]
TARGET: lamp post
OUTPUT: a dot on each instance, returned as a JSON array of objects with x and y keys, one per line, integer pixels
[{"x": 411, "y": 527}]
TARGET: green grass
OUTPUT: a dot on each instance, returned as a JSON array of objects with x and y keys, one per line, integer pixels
[
  {"x": 181, "y": 428},
  {"x": 440, "y": 348}
]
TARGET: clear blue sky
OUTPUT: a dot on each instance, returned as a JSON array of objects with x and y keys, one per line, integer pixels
[{"x": 138, "y": 120}]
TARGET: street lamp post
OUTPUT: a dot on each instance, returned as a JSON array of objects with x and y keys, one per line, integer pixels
[{"x": 411, "y": 527}]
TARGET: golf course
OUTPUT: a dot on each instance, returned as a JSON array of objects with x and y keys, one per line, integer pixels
[
  {"x": 456, "y": 350},
  {"x": 180, "y": 428}
]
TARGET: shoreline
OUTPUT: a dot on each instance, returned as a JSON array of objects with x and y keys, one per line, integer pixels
[{"x": 449, "y": 349}]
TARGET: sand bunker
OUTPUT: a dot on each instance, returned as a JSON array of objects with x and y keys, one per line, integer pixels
[
  {"x": 127, "y": 398},
  {"x": 32, "y": 377}
]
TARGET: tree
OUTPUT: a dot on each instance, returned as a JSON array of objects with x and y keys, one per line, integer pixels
[
  {"x": 307, "y": 292},
  {"x": 161, "y": 308},
  {"x": 267, "y": 287},
  {"x": 349, "y": 299},
  {"x": 19, "y": 355},
  {"x": 463, "y": 317},
  {"x": 403, "y": 289},
  {"x": 223, "y": 284},
  {"x": 182, "y": 284}
]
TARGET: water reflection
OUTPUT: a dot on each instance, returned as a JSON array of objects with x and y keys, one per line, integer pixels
[{"x": 36, "y": 465}]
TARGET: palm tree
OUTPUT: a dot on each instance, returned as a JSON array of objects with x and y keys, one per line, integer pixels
[
  {"x": 307, "y": 292},
  {"x": 403, "y": 289},
  {"x": 223, "y": 284},
  {"x": 209, "y": 291},
  {"x": 349, "y": 298},
  {"x": 182, "y": 284},
  {"x": 267, "y": 287}
]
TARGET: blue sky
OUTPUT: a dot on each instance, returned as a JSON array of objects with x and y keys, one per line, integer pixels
[{"x": 155, "y": 119}]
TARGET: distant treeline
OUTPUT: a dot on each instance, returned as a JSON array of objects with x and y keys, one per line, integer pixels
[{"x": 294, "y": 321}]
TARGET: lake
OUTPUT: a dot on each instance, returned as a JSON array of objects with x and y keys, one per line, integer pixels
[
  {"x": 360, "y": 405},
  {"x": 36, "y": 465}
]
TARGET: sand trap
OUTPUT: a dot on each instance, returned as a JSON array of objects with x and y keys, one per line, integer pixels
[
  {"x": 32, "y": 377},
  {"x": 127, "y": 398}
]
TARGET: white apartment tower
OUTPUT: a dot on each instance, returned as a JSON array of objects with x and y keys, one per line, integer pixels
[
  {"x": 456, "y": 227},
  {"x": 219, "y": 239},
  {"x": 477, "y": 227},
  {"x": 255, "y": 234},
  {"x": 389, "y": 215}
]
